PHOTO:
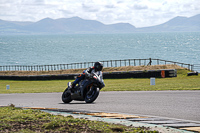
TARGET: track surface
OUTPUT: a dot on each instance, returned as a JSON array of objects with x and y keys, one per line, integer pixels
[{"x": 171, "y": 104}]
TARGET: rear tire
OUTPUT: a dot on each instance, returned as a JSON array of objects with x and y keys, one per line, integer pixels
[
  {"x": 92, "y": 96},
  {"x": 66, "y": 96}
]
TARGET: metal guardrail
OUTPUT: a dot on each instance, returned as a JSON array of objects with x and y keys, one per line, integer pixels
[
  {"x": 108, "y": 63},
  {"x": 164, "y": 62},
  {"x": 196, "y": 67}
]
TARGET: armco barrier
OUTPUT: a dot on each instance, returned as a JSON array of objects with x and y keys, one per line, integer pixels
[
  {"x": 140, "y": 74},
  {"x": 106, "y": 75}
]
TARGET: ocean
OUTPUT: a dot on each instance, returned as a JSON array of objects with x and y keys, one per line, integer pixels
[{"x": 65, "y": 49}]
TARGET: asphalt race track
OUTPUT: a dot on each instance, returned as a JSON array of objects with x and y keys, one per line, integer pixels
[{"x": 172, "y": 104}]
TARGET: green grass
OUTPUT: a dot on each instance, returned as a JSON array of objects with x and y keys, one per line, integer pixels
[
  {"x": 181, "y": 82},
  {"x": 33, "y": 86},
  {"x": 28, "y": 121}
]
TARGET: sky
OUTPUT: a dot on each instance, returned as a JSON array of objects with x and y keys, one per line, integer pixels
[{"x": 140, "y": 13}]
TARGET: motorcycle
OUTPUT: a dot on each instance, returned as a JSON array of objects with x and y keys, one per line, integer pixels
[{"x": 87, "y": 90}]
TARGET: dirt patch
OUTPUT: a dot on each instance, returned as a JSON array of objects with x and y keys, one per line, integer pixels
[{"x": 107, "y": 69}]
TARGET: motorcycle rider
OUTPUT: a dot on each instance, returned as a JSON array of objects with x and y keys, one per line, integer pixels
[{"x": 97, "y": 68}]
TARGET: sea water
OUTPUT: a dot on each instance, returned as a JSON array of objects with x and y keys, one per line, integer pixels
[{"x": 64, "y": 49}]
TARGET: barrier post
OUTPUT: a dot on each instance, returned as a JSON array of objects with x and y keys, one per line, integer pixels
[{"x": 152, "y": 81}]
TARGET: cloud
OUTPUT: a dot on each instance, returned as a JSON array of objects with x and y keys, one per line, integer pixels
[
  {"x": 140, "y": 7},
  {"x": 90, "y": 8},
  {"x": 139, "y": 13},
  {"x": 110, "y": 6}
]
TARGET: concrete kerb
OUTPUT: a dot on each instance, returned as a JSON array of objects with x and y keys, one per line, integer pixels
[
  {"x": 153, "y": 127},
  {"x": 126, "y": 122}
]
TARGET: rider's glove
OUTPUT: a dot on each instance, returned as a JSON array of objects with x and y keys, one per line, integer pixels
[{"x": 89, "y": 75}]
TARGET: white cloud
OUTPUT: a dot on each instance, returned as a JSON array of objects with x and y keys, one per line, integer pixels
[{"x": 139, "y": 13}]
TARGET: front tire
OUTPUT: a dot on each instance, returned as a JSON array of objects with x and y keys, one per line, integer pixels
[
  {"x": 66, "y": 96},
  {"x": 92, "y": 95}
]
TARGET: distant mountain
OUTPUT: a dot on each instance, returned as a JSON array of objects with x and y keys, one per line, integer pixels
[
  {"x": 177, "y": 24},
  {"x": 76, "y": 25},
  {"x": 7, "y": 25}
]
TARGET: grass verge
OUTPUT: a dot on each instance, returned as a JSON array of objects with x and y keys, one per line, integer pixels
[
  {"x": 181, "y": 82},
  {"x": 28, "y": 121}
]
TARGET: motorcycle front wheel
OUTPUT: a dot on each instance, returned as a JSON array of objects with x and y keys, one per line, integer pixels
[
  {"x": 92, "y": 95},
  {"x": 66, "y": 96}
]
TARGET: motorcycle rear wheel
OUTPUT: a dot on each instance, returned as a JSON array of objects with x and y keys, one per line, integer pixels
[
  {"x": 66, "y": 96},
  {"x": 92, "y": 95}
]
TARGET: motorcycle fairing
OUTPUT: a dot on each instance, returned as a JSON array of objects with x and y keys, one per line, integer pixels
[{"x": 83, "y": 85}]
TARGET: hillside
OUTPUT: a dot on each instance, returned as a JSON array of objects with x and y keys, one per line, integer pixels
[
  {"x": 177, "y": 24},
  {"x": 76, "y": 25}
]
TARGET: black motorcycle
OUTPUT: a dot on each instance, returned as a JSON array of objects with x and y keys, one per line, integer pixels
[{"x": 87, "y": 90}]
